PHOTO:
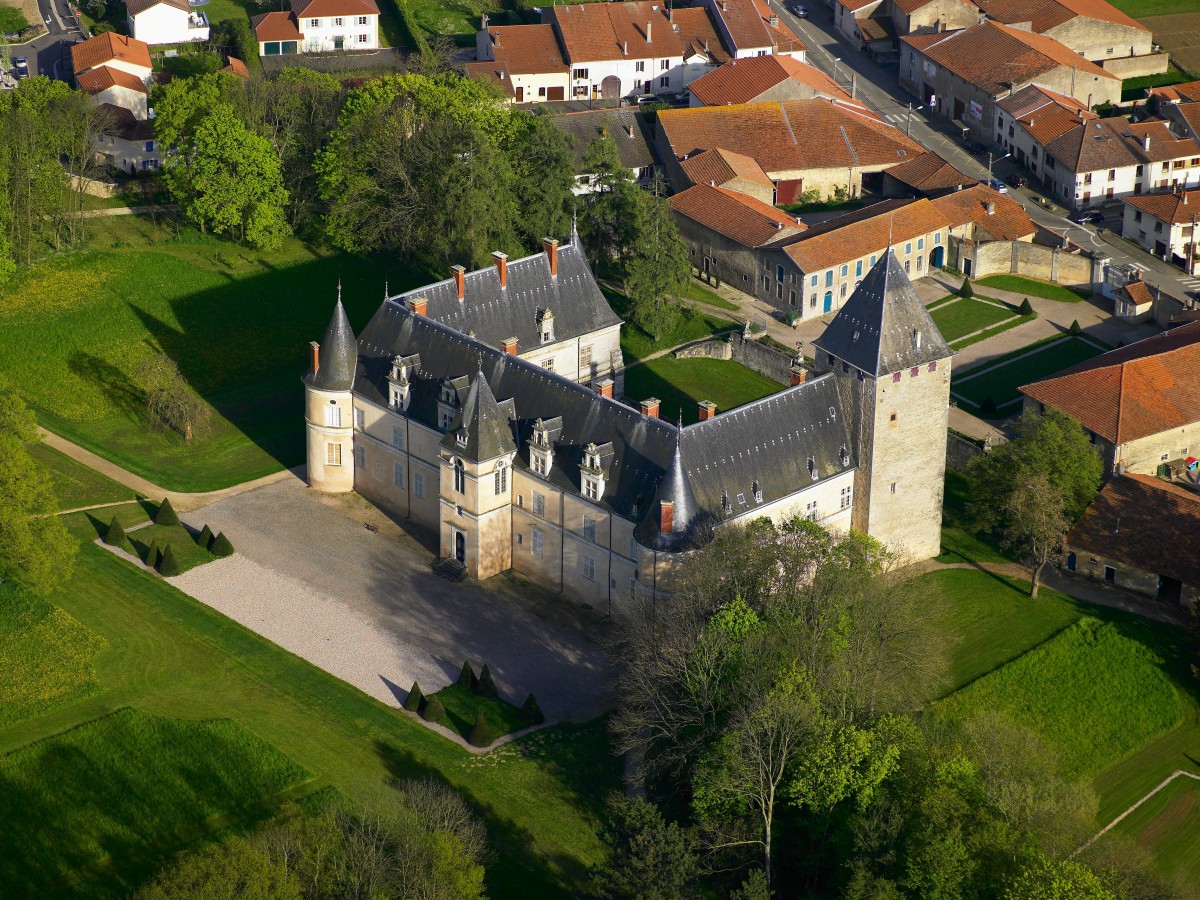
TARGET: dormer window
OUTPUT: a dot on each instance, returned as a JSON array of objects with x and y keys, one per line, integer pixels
[
  {"x": 812, "y": 468},
  {"x": 726, "y": 506},
  {"x": 916, "y": 339},
  {"x": 844, "y": 456},
  {"x": 462, "y": 437},
  {"x": 592, "y": 479},
  {"x": 547, "y": 327},
  {"x": 756, "y": 488},
  {"x": 540, "y": 449}
]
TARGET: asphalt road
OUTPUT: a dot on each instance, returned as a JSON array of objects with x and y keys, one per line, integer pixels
[
  {"x": 878, "y": 86},
  {"x": 50, "y": 54}
]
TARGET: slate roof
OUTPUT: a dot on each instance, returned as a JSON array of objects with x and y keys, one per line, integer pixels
[
  {"x": 107, "y": 47},
  {"x": 745, "y": 80},
  {"x": 1115, "y": 142},
  {"x": 1144, "y": 522},
  {"x": 863, "y": 232},
  {"x": 336, "y": 359},
  {"x": 737, "y": 216},
  {"x": 769, "y": 441},
  {"x": 674, "y": 488},
  {"x": 992, "y": 56},
  {"x": 1148, "y": 387},
  {"x": 492, "y": 314},
  {"x": 582, "y": 128},
  {"x": 1168, "y": 207},
  {"x": 929, "y": 173},
  {"x": 877, "y": 329},
  {"x": 1008, "y": 220},
  {"x": 480, "y": 430}
]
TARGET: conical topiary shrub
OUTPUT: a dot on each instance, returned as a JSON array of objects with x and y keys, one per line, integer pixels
[
  {"x": 205, "y": 538},
  {"x": 166, "y": 514},
  {"x": 1075, "y": 329},
  {"x": 115, "y": 535},
  {"x": 413, "y": 701},
  {"x": 481, "y": 733},
  {"x": 466, "y": 678},
  {"x": 168, "y": 566},
  {"x": 531, "y": 712},
  {"x": 434, "y": 711},
  {"x": 988, "y": 407},
  {"x": 966, "y": 290},
  {"x": 486, "y": 686},
  {"x": 221, "y": 546},
  {"x": 1026, "y": 308},
  {"x": 153, "y": 553}
]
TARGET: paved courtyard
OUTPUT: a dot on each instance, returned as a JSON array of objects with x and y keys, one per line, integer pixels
[{"x": 367, "y": 609}]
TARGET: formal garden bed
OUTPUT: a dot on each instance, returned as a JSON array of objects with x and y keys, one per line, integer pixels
[
  {"x": 473, "y": 709},
  {"x": 165, "y": 544},
  {"x": 991, "y": 390},
  {"x": 680, "y": 384},
  {"x": 1034, "y": 287}
]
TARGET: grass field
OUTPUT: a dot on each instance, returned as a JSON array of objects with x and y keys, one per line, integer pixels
[
  {"x": 11, "y": 20},
  {"x": 1092, "y": 693},
  {"x": 75, "y": 484},
  {"x": 681, "y": 383},
  {"x": 1141, "y": 9},
  {"x": 1168, "y": 825},
  {"x": 959, "y": 543},
  {"x": 1033, "y": 288},
  {"x": 73, "y": 331},
  {"x": 462, "y": 704},
  {"x": 169, "y": 655},
  {"x": 1001, "y": 380},
  {"x": 1134, "y": 89},
  {"x": 48, "y": 658},
  {"x": 637, "y": 344},
  {"x": 957, "y": 317},
  {"x": 699, "y": 292}
]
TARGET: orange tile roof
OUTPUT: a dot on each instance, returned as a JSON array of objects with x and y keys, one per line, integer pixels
[
  {"x": 911, "y": 6},
  {"x": 1139, "y": 293},
  {"x": 1144, "y": 522},
  {"x": 236, "y": 67},
  {"x": 1176, "y": 93},
  {"x": 275, "y": 26},
  {"x": 743, "y": 80},
  {"x": 698, "y": 36},
  {"x": 783, "y": 39},
  {"x": 1045, "y": 114},
  {"x": 737, "y": 216},
  {"x": 496, "y": 73},
  {"x": 1146, "y": 388},
  {"x": 140, "y": 6},
  {"x": 108, "y": 47},
  {"x": 1008, "y": 220},
  {"x": 526, "y": 49},
  {"x": 1168, "y": 207},
  {"x": 595, "y": 32},
  {"x": 302, "y": 9},
  {"x": 744, "y": 23},
  {"x": 992, "y": 56},
  {"x": 101, "y": 78},
  {"x": 861, "y": 235},
  {"x": 720, "y": 166},
  {"x": 1046, "y": 14},
  {"x": 1114, "y": 142},
  {"x": 789, "y": 135},
  {"x": 929, "y": 172}
]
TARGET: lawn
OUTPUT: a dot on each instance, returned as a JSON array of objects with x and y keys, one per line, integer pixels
[
  {"x": 1142, "y": 9},
  {"x": 637, "y": 344},
  {"x": 183, "y": 544},
  {"x": 75, "y": 484},
  {"x": 171, "y": 656},
  {"x": 11, "y": 20},
  {"x": 1001, "y": 379},
  {"x": 958, "y": 317},
  {"x": 1168, "y": 825},
  {"x": 1135, "y": 88},
  {"x": 960, "y": 543},
  {"x": 1032, "y": 287},
  {"x": 681, "y": 383},
  {"x": 88, "y": 790},
  {"x": 1093, "y": 693},
  {"x": 48, "y": 658},
  {"x": 462, "y": 704},
  {"x": 699, "y": 293},
  {"x": 74, "y": 329}
]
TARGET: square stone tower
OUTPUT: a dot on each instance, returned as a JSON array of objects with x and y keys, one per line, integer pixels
[{"x": 893, "y": 370}]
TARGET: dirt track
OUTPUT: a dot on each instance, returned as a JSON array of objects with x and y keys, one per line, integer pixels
[{"x": 1180, "y": 36}]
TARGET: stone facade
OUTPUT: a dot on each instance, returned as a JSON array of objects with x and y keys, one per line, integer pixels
[{"x": 1071, "y": 267}]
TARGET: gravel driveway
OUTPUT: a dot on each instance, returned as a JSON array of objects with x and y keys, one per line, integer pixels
[{"x": 369, "y": 611}]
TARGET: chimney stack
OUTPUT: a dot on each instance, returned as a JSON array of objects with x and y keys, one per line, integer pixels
[
  {"x": 708, "y": 409},
  {"x": 501, "y": 261},
  {"x": 648, "y": 38},
  {"x": 666, "y": 516},
  {"x": 316, "y": 356},
  {"x": 460, "y": 280},
  {"x": 624, "y": 48},
  {"x": 417, "y": 305},
  {"x": 550, "y": 246},
  {"x": 604, "y": 387},
  {"x": 990, "y": 206},
  {"x": 650, "y": 407},
  {"x": 1145, "y": 141},
  {"x": 510, "y": 346},
  {"x": 799, "y": 375}
]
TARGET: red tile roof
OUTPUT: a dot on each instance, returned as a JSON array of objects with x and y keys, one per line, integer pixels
[
  {"x": 721, "y": 166},
  {"x": 1139, "y": 293},
  {"x": 101, "y": 78},
  {"x": 929, "y": 172},
  {"x": 1146, "y": 388},
  {"x": 783, "y": 39},
  {"x": 304, "y": 9},
  {"x": 1176, "y": 93},
  {"x": 496, "y": 73},
  {"x": 738, "y": 217},
  {"x": 526, "y": 49},
  {"x": 895, "y": 222},
  {"x": 1173, "y": 208},
  {"x": 744, "y": 80},
  {"x": 744, "y": 23},
  {"x": 1114, "y": 142},
  {"x": 1044, "y": 113},
  {"x": 1144, "y": 522},
  {"x": 698, "y": 36},
  {"x": 911, "y": 6},
  {"x": 275, "y": 26},
  {"x": 1008, "y": 220},
  {"x": 595, "y": 32},
  {"x": 236, "y": 67},
  {"x": 1046, "y": 14},
  {"x": 108, "y": 47}
]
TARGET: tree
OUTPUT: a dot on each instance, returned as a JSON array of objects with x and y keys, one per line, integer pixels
[
  {"x": 965, "y": 290},
  {"x": 1075, "y": 329},
  {"x": 165, "y": 514},
  {"x": 481, "y": 733},
  {"x": 168, "y": 566},
  {"x": 36, "y": 550},
  {"x": 1053, "y": 880},
  {"x": 230, "y": 868},
  {"x": 170, "y": 402},
  {"x": 1035, "y": 523},
  {"x": 608, "y": 216},
  {"x": 648, "y": 858},
  {"x": 413, "y": 701},
  {"x": 658, "y": 269},
  {"x": 434, "y": 711}
]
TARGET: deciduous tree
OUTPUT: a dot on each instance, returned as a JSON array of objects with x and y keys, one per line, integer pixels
[{"x": 170, "y": 401}]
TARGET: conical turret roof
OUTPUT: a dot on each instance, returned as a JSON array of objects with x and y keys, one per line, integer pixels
[
  {"x": 884, "y": 327},
  {"x": 338, "y": 356},
  {"x": 480, "y": 430},
  {"x": 675, "y": 488}
]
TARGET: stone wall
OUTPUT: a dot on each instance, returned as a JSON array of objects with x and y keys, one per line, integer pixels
[
  {"x": 92, "y": 187},
  {"x": 1069, "y": 266},
  {"x": 1137, "y": 66},
  {"x": 1090, "y": 566},
  {"x": 385, "y": 58},
  {"x": 961, "y": 450},
  {"x": 766, "y": 361}
]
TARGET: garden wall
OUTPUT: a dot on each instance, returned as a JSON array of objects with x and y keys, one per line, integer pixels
[
  {"x": 766, "y": 361},
  {"x": 1137, "y": 66},
  {"x": 961, "y": 450},
  {"x": 385, "y": 58},
  {"x": 1068, "y": 267}
]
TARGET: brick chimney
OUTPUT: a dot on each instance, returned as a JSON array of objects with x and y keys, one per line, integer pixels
[
  {"x": 650, "y": 407},
  {"x": 460, "y": 280},
  {"x": 604, "y": 387},
  {"x": 799, "y": 375},
  {"x": 510, "y": 346},
  {"x": 666, "y": 516},
  {"x": 550, "y": 246},
  {"x": 316, "y": 356},
  {"x": 708, "y": 409},
  {"x": 501, "y": 261},
  {"x": 418, "y": 305}
]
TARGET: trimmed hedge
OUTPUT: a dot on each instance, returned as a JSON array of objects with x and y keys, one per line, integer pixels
[
  {"x": 486, "y": 687},
  {"x": 466, "y": 678},
  {"x": 166, "y": 514},
  {"x": 115, "y": 535},
  {"x": 153, "y": 554},
  {"x": 414, "y": 699},
  {"x": 205, "y": 538},
  {"x": 168, "y": 566},
  {"x": 966, "y": 290},
  {"x": 221, "y": 546},
  {"x": 1026, "y": 307},
  {"x": 435, "y": 712},
  {"x": 481, "y": 734},
  {"x": 532, "y": 712}
]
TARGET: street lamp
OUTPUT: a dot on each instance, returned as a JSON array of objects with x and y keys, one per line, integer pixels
[
  {"x": 911, "y": 109},
  {"x": 836, "y": 72},
  {"x": 991, "y": 161}
]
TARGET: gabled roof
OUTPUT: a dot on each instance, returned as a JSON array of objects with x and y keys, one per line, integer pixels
[
  {"x": 719, "y": 166},
  {"x": 878, "y": 26},
  {"x": 627, "y": 128},
  {"x": 864, "y": 232},
  {"x": 783, "y": 39},
  {"x": 1176, "y": 93},
  {"x": 1115, "y": 142},
  {"x": 884, "y": 327},
  {"x": 480, "y": 430},
  {"x": 1044, "y": 15},
  {"x": 136, "y": 7},
  {"x": 336, "y": 359},
  {"x": 676, "y": 489},
  {"x": 993, "y": 57},
  {"x": 107, "y": 47},
  {"x": 929, "y": 173},
  {"x": 303, "y": 9},
  {"x": 125, "y": 125},
  {"x": 911, "y": 6},
  {"x": 739, "y": 217},
  {"x": 744, "y": 80},
  {"x": 596, "y": 32},
  {"x": 494, "y": 72},
  {"x": 1146, "y": 388},
  {"x": 493, "y": 314},
  {"x": 1168, "y": 207},
  {"x": 236, "y": 67},
  {"x": 526, "y": 49},
  {"x": 101, "y": 78},
  {"x": 1144, "y": 522},
  {"x": 1044, "y": 113},
  {"x": 1139, "y": 292},
  {"x": 698, "y": 37},
  {"x": 275, "y": 26},
  {"x": 1007, "y": 221},
  {"x": 790, "y": 135}
]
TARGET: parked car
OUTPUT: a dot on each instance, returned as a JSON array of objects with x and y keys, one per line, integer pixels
[
  {"x": 1088, "y": 217},
  {"x": 1015, "y": 180},
  {"x": 998, "y": 186},
  {"x": 974, "y": 147},
  {"x": 800, "y": 12},
  {"x": 648, "y": 98},
  {"x": 22, "y": 66}
]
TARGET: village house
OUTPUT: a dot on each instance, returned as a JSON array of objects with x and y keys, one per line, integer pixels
[
  {"x": 724, "y": 169},
  {"x": 318, "y": 26},
  {"x": 1029, "y": 119},
  {"x": 629, "y": 133},
  {"x": 960, "y": 75},
  {"x": 116, "y": 71},
  {"x": 166, "y": 21},
  {"x": 878, "y": 24},
  {"x": 751, "y": 28},
  {"x": 518, "y": 466},
  {"x": 760, "y": 79},
  {"x": 524, "y": 61},
  {"x": 927, "y": 175},
  {"x": 1165, "y": 225}
]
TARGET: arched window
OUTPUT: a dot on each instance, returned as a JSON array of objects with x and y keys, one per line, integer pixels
[
  {"x": 501, "y": 478},
  {"x": 460, "y": 477}
]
